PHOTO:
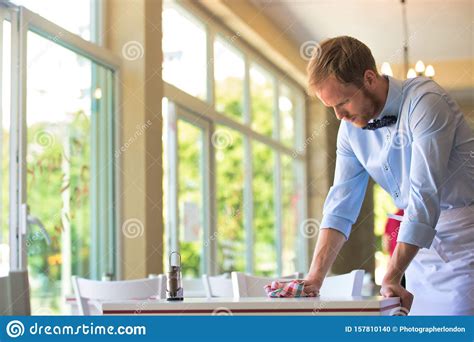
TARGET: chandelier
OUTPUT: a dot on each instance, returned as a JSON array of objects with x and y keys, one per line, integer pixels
[{"x": 419, "y": 69}]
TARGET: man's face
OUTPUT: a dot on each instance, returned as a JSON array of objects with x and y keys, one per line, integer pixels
[{"x": 351, "y": 103}]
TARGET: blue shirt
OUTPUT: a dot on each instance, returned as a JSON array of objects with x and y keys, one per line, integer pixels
[{"x": 425, "y": 161}]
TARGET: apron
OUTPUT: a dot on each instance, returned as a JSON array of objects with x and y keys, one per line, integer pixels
[{"x": 441, "y": 278}]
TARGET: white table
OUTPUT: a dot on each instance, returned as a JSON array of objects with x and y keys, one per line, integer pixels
[{"x": 355, "y": 306}]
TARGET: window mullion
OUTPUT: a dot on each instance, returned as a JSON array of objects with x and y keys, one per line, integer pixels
[
  {"x": 212, "y": 206},
  {"x": 277, "y": 178},
  {"x": 210, "y": 66},
  {"x": 208, "y": 228},
  {"x": 172, "y": 144},
  {"x": 278, "y": 211},
  {"x": 276, "y": 110},
  {"x": 248, "y": 172},
  {"x": 301, "y": 181},
  {"x": 210, "y": 212},
  {"x": 18, "y": 151}
]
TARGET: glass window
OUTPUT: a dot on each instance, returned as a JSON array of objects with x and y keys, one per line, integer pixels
[
  {"x": 265, "y": 250},
  {"x": 272, "y": 118},
  {"x": 261, "y": 97},
  {"x": 184, "y": 52},
  {"x": 5, "y": 148},
  {"x": 74, "y": 15},
  {"x": 69, "y": 173},
  {"x": 229, "y": 187},
  {"x": 287, "y": 104},
  {"x": 190, "y": 196},
  {"x": 229, "y": 73},
  {"x": 289, "y": 215}
]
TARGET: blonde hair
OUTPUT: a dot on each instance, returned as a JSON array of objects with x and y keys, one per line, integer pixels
[{"x": 344, "y": 57}]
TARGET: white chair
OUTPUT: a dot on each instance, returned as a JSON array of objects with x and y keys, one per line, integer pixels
[
  {"x": 349, "y": 284},
  {"x": 193, "y": 288},
  {"x": 96, "y": 291},
  {"x": 244, "y": 285},
  {"x": 218, "y": 286},
  {"x": 162, "y": 289}
]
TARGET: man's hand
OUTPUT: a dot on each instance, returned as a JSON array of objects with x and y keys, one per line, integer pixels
[
  {"x": 393, "y": 289},
  {"x": 311, "y": 287}
]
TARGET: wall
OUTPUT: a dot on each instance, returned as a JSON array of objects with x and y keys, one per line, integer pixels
[{"x": 132, "y": 30}]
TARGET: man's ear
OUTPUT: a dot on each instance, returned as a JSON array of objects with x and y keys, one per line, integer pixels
[{"x": 370, "y": 78}]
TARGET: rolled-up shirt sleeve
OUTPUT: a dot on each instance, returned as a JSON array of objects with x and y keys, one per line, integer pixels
[
  {"x": 433, "y": 128},
  {"x": 344, "y": 200}
]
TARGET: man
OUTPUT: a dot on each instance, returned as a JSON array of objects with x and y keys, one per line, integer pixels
[{"x": 413, "y": 140}]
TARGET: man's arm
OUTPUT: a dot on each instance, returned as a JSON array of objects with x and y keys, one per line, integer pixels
[
  {"x": 330, "y": 242},
  {"x": 401, "y": 258},
  {"x": 341, "y": 209}
]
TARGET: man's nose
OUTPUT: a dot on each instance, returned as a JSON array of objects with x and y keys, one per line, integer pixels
[{"x": 339, "y": 115}]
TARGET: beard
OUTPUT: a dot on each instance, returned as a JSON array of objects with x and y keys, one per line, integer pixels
[
  {"x": 371, "y": 110},
  {"x": 375, "y": 105}
]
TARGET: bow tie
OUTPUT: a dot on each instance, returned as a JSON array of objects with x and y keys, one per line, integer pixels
[{"x": 385, "y": 121}]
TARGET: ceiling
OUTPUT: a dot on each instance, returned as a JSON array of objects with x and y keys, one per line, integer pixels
[{"x": 439, "y": 29}]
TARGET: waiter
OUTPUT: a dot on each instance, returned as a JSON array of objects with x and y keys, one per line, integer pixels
[{"x": 412, "y": 139}]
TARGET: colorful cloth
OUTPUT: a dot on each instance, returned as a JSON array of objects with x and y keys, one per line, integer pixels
[{"x": 290, "y": 289}]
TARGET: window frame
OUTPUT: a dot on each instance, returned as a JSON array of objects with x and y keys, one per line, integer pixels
[
  {"x": 28, "y": 21},
  {"x": 207, "y": 111},
  {"x": 6, "y": 15},
  {"x": 174, "y": 114}
]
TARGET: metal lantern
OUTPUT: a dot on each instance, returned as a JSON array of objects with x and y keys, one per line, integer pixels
[{"x": 174, "y": 290}]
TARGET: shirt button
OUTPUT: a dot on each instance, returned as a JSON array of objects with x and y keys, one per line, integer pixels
[
  {"x": 385, "y": 167},
  {"x": 387, "y": 137},
  {"x": 396, "y": 194}
]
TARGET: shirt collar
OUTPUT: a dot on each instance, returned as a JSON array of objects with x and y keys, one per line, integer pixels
[{"x": 394, "y": 98}]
